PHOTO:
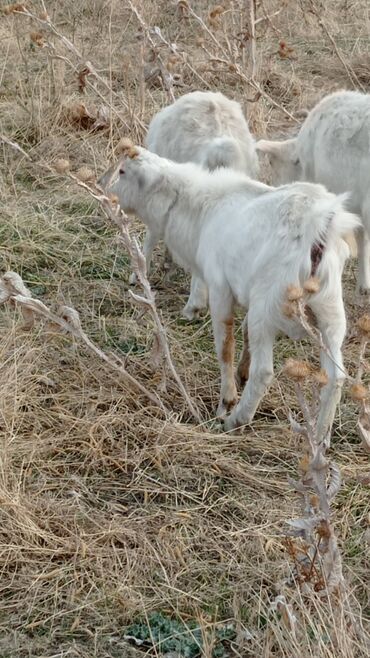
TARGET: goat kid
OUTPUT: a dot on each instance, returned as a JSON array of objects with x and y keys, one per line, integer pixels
[
  {"x": 247, "y": 242},
  {"x": 203, "y": 127},
  {"x": 333, "y": 148}
]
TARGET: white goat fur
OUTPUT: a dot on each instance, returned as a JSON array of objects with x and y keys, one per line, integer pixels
[
  {"x": 206, "y": 128},
  {"x": 333, "y": 148},
  {"x": 249, "y": 260}
]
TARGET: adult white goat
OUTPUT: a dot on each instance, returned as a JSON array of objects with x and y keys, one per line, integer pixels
[
  {"x": 333, "y": 148},
  {"x": 250, "y": 259},
  {"x": 203, "y": 127}
]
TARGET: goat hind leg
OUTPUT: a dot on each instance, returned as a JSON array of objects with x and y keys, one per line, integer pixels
[
  {"x": 242, "y": 372},
  {"x": 261, "y": 371},
  {"x": 221, "y": 305},
  {"x": 332, "y": 325}
]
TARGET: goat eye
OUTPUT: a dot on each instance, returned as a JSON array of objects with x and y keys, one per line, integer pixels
[{"x": 121, "y": 171}]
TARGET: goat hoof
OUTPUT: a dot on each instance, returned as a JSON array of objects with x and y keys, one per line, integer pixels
[
  {"x": 190, "y": 313},
  {"x": 132, "y": 279},
  {"x": 225, "y": 406},
  {"x": 232, "y": 424}
]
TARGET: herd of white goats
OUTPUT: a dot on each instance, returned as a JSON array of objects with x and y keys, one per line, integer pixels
[{"x": 245, "y": 242}]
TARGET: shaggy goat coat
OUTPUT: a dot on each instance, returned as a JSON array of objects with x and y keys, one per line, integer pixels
[
  {"x": 248, "y": 242},
  {"x": 207, "y": 128},
  {"x": 333, "y": 148}
]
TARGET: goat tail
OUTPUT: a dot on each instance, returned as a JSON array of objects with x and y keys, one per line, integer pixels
[
  {"x": 223, "y": 152},
  {"x": 327, "y": 218},
  {"x": 344, "y": 222},
  {"x": 329, "y": 223}
]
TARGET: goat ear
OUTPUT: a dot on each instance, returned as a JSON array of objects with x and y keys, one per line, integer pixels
[
  {"x": 149, "y": 179},
  {"x": 282, "y": 150}
]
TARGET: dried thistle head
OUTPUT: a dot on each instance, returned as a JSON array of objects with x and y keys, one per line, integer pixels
[
  {"x": 323, "y": 529},
  {"x": 113, "y": 198},
  {"x": 62, "y": 165},
  {"x": 304, "y": 463},
  {"x": 294, "y": 293},
  {"x": 358, "y": 392},
  {"x": 320, "y": 377},
  {"x": 172, "y": 62},
  {"x": 217, "y": 11},
  {"x": 312, "y": 285},
  {"x": 82, "y": 75},
  {"x": 78, "y": 111},
  {"x": 38, "y": 39},
  {"x": 289, "y": 309},
  {"x": 85, "y": 175},
  {"x": 214, "y": 15},
  {"x": 13, "y": 8},
  {"x": 297, "y": 370},
  {"x": 363, "y": 325},
  {"x": 126, "y": 147},
  {"x": 315, "y": 501}
]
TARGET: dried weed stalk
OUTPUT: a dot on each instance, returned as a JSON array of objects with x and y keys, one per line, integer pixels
[
  {"x": 161, "y": 350},
  {"x": 311, "y": 541},
  {"x": 66, "y": 320},
  {"x": 312, "y": 7},
  {"x": 84, "y": 70}
]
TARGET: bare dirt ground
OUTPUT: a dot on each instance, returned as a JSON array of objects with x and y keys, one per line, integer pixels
[{"x": 109, "y": 512}]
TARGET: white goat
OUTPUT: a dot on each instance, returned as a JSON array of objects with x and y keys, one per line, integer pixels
[
  {"x": 206, "y": 128},
  {"x": 333, "y": 148},
  {"x": 250, "y": 259}
]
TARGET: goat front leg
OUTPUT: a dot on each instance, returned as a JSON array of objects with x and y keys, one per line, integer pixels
[
  {"x": 221, "y": 306},
  {"x": 261, "y": 371},
  {"x": 149, "y": 243},
  {"x": 198, "y": 298}
]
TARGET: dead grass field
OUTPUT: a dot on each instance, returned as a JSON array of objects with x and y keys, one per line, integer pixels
[{"x": 109, "y": 512}]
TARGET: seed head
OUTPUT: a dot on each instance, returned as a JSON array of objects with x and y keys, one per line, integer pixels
[
  {"x": 13, "y": 8},
  {"x": 289, "y": 309},
  {"x": 85, "y": 174},
  {"x": 37, "y": 38},
  {"x": 312, "y": 285},
  {"x": 78, "y": 111},
  {"x": 297, "y": 370},
  {"x": 304, "y": 463},
  {"x": 126, "y": 147},
  {"x": 364, "y": 325},
  {"x": 216, "y": 11},
  {"x": 62, "y": 166},
  {"x": 321, "y": 377},
  {"x": 358, "y": 392},
  {"x": 113, "y": 198},
  {"x": 294, "y": 293}
]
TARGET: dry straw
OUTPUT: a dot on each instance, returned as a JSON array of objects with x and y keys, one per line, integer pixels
[{"x": 110, "y": 507}]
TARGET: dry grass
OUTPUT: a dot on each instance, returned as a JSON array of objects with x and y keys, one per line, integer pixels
[{"x": 108, "y": 511}]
